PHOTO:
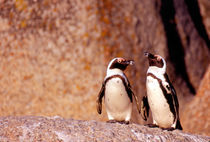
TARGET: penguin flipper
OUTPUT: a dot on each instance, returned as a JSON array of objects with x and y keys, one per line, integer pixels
[
  {"x": 144, "y": 108},
  {"x": 130, "y": 94},
  {"x": 137, "y": 102},
  {"x": 99, "y": 99},
  {"x": 175, "y": 99}
]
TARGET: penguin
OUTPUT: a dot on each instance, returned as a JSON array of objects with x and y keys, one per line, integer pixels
[
  {"x": 117, "y": 92},
  {"x": 161, "y": 96}
]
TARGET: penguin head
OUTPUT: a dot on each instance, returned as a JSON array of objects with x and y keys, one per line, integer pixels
[
  {"x": 119, "y": 63},
  {"x": 117, "y": 66},
  {"x": 156, "y": 61}
]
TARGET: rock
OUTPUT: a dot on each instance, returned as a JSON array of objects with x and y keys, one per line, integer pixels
[
  {"x": 196, "y": 115},
  {"x": 194, "y": 42},
  {"x": 55, "y": 54},
  {"x": 35, "y": 128},
  {"x": 47, "y": 58},
  {"x": 205, "y": 12}
]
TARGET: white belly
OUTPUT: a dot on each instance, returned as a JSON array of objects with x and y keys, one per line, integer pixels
[
  {"x": 160, "y": 109},
  {"x": 117, "y": 102}
]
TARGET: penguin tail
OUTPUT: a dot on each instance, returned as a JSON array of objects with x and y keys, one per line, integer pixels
[{"x": 178, "y": 125}]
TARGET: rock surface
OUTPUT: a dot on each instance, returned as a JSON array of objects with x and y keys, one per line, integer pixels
[
  {"x": 198, "y": 109},
  {"x": 192, "y": 35},
  {"x": 205, "y": 12},
  {"x": 34, "y": 128}
]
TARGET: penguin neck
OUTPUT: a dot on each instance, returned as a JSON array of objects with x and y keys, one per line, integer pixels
[
  {"x": 111, "y": 72},
  {"x": 158, "y": 72}
]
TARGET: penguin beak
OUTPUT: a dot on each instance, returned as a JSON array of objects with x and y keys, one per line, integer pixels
[
  {"x": 129, "y": 62},
  {"x": 149, "y": 55}
]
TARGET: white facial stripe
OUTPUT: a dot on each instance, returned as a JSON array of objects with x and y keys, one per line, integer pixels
[
  {"x": 164, "y": 62},
  {"x": 159, "y": 57},
  {"x": 111, "y": 72},
  {"x": 110, "y": 63},
  {"x": 158, "y": 72}
]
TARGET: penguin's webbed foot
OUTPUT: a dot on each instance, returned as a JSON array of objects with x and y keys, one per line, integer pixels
[
  {"x": 152, "y": 125},
  {"x": 116, "y": 121},
  {"x": 168, "y": 129},
  {"x": 124, "y": 122},
  {"x": 112, "y": 121}
]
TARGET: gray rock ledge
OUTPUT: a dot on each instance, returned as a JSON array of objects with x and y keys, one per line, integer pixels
[{"x": 57, "y": 129}]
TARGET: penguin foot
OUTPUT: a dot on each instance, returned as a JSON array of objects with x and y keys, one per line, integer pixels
[
  {"x": 152, "y": 125},
  {"x": 124, "y": 122},
  {"x": 112, "y": 121},
  {"x": 115, "y": 121},
  {"x": 168, "y": 129}
]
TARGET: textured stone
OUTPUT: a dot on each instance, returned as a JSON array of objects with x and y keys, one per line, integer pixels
[
  {"x": 196, "y": 116},
  {"x": 205, "y": 12},
  {"x": 31, "y": 128},
  {"x": 194, "y": 41},
  {"x": 55, "y": 54}
]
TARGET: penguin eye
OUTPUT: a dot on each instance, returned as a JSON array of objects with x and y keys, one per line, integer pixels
[
  {"x": 167, "y": 86},
  {"x": 120, "y": 60}
]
